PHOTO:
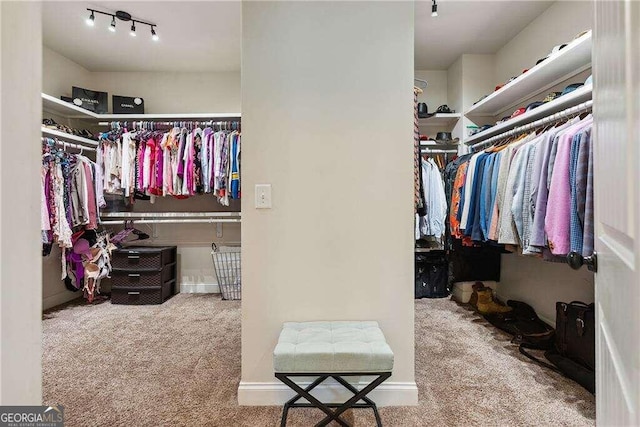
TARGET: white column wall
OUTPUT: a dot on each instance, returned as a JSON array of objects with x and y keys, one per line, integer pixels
[
  {"x": 328, "y": 122},
  {"x": 20, "y": 247}
]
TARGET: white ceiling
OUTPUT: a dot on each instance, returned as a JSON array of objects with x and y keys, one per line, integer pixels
[
  {"x": 194, "y": 36},
  {"x": 207, "y": 35},
  {"x": 468, "y": 27}
]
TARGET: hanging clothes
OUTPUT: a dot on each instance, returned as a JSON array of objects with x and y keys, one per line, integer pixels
[
  {"x": 70, "y": 206},
  {"x": 432, "y": 224},
  {"x": 179, "y": 163},
  {"x": 533, "y": 195}
]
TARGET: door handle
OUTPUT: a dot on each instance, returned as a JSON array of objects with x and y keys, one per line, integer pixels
[
  {"x": 134, "y": 275},
  {"x": 576, "y": 260},
  {"x": 133, "y": 293}
]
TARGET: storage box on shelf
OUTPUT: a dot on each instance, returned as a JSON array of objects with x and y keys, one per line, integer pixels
[
  {"x": 576, "y": 97},
  {"x": 568, "y": 62}
]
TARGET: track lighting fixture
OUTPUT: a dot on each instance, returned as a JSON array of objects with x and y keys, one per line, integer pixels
[
  {"x": 434, "y": 9},
  {"x": 123, "y": 16},
  {"x": 91, "y": 20}
]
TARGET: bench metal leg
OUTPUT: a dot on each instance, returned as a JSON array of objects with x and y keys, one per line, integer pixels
[{"x": 332, "y": 415}]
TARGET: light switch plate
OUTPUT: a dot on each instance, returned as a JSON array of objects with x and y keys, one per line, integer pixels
[{"x": 263, "y": 196}]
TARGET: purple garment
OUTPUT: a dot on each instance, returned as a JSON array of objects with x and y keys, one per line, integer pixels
[
  {"x": 558, "y": 217},
  {"x": 159, "y": 165},
  {"x": 540, "y": 192},
  {"x": 140, "y": 158},
  {"x": 588, "y": 238},
  {"x": 49, "y": 197},
  {"x": 74, "y": 261}
]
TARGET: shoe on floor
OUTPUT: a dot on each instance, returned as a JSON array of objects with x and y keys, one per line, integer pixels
[
  {"x": 473, "y": 300},
  {"x": 486, "y": 304}
]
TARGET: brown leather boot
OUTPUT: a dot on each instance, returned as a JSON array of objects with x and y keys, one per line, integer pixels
[
  {"x": 473, "y": 300},
  {"x": 486, "y": 304}
]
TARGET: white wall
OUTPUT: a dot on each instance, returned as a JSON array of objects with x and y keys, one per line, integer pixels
[
  {"x": 435, "y": 94},
  {"x": 163, "y": 93},
  {"x": 337, "y": 243},
  {"x": 60, "y": 73},
  {"x": 540, "y": 284},
  {"x": 537, "y": 282},
  {"x": 455, "y": 95},
  {"x": 468, "y": 78},
  {"x": 20, "y": 247},
  {"x": 558, "y": 24},
  {"x": 477, "y": 77},
  {"x": 178, "y": 92}
]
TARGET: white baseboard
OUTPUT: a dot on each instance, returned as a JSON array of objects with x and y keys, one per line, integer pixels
[
  {"x": 60, "y": 298},
  {"x": 276, "y": 393},
  {"x": 199, "y": 288}
]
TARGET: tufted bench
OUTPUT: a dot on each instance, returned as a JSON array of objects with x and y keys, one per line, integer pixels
[{"x": 332, "y": 350}]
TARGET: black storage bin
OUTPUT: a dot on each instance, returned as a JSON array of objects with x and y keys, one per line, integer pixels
[
  {"x": 431, "y": 275},
  {"x": 470, "y": 264}
]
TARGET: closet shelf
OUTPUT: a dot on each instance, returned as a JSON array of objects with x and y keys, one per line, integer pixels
[
  {"x": 571, "y": 99},
  {"x": 63, "y": 136},
  {"x": 440, "y": 119},
  {"x": 568, "y": 62},
  {"x": 65, "y": 109},
  {"x": 62, "y": 108}
]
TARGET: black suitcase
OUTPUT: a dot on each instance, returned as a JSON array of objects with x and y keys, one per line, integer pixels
[{"x": 431, "y": 274}]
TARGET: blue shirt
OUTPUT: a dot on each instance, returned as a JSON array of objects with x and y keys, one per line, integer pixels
[
  {"x": 494, "y": 190},
  {"x": 473, "y": 226}
]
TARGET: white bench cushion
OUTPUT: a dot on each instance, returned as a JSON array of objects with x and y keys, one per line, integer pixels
[{"x": 332, "y": 347}]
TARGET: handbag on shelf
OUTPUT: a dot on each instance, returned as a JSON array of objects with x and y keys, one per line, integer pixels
[{"x": 91, "y": 100}]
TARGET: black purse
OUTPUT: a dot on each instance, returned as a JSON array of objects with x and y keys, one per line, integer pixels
[
  {"x": 431, "y": 275},
  {"x": 574, "y": 352}
]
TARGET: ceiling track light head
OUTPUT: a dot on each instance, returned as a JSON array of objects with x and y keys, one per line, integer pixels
[
  {"x": 112, "y": 27},
  {"x": 91, "y": 20},
  {"x": 154, "y": 36},
  {"x": 133, "y": 29},
  {"x": 434, "y": 9}
]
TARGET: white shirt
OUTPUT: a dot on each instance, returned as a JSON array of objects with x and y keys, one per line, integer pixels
[{"x": 433, "y": 223}]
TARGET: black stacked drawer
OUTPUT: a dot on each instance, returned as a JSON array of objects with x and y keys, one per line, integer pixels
[{"x": 143, "y": 275}]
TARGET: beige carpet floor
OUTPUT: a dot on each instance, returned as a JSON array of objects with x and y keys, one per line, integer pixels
[{"x": 178, "y": 364}]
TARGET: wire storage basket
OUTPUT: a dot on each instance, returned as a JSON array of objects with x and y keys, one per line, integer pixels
[{"x": 226, "y": 262}]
